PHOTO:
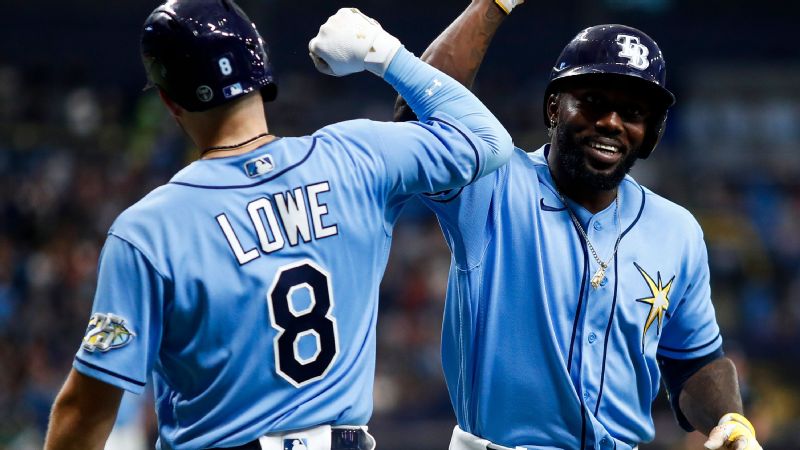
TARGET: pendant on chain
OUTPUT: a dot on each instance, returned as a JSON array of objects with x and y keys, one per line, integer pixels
[{"x": 598, "y": 277}]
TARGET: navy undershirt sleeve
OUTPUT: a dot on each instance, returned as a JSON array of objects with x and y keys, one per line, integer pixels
[{"x": 676, "y": 372}]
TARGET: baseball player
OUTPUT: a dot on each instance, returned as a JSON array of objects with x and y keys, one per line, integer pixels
[
  {"x": 573, "y": 289},
  {"x": 248, "y": 285}
]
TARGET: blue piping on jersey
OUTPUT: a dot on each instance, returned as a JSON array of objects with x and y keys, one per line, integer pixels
[
  {"x": 689, "y": 350},
  {"x": 574, "y": 332},
  {"x": 430, "y": 195},
  {"x": 580, "y": 301},
  {"x": 257, "y": 183},
  {"x": 462, "y": 358},
  {"x": 108, "y": 372},
  {"x": 605, "y": 344},
  {"x": 583, "y": 423},
  {"x": 481, "y": 326},
  {"x": 471, "y": 144},
  {"x": 477, "y": 162},
  {"x": 638, "y": 216},
  {"x": 614, "y": 305}
]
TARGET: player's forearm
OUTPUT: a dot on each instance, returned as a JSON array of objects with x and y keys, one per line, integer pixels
[
  {"x": 428, "y": 90},
  {"x": 70, "y": 430},
  {"x": 710, "y": 393},
  {"x": 83, "y": 414},
  {"x": 460, "y": 49}
]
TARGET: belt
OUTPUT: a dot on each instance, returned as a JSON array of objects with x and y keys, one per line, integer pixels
[
  {"x": 462, "y": 440},
  {"x": 341, "y": 439}
]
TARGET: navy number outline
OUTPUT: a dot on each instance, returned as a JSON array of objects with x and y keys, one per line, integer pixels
[{"x": 316, "y": 319}]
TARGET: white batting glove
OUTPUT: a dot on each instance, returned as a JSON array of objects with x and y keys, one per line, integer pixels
[
  {"x": 350, "y": 42},
  {"x": 508, "y": 5},
  {"x": 734, "y": 432}
]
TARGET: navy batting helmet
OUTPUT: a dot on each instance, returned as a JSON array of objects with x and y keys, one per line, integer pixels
[
  {"x": 617, "y": 51},
  {"x": 204, "y": 53}
]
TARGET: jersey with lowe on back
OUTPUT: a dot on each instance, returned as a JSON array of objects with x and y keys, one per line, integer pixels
[{"x": 247, "y": 286}]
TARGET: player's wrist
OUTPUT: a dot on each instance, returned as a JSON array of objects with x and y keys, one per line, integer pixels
[
  {"x": 508, "y": 5},
  {"x": 349, "y": 42},
  {"x": 738, "y": 418},
  {"x": 381, "y": 53},
  {"x": 733, "y": 431}
]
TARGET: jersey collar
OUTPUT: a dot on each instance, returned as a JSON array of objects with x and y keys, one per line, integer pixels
[
  {"x": 631, "y": 204},
  {"x": 253, "y": 168}
]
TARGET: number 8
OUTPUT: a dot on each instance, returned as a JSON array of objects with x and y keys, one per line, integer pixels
[
  {"x": 292, "y": 325},
  {"x": 225, "y": 66}
]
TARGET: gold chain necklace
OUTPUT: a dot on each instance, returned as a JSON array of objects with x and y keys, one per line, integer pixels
[{"x": 601, "y": 272}]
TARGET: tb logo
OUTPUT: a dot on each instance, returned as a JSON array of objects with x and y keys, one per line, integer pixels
[{"x": 634, "y": 51}]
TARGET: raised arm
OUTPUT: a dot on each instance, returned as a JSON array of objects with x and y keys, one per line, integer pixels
[
  {"x": 460, "y": 49},
  {"x": 351, "y": 42}
]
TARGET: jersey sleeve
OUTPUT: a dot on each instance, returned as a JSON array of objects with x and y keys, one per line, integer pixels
[
  {"x": 398, "y": 160},
  {"x": 436, "y": 156},
  {"x": 124, "y": 332},
  {"x": 431, "y": 93},
  {"x": 692, "y": 331}
]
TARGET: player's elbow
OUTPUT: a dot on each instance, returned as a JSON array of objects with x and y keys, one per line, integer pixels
[
  {"x": 499, "y": 147},
  {"x": 506, "y": 145}
]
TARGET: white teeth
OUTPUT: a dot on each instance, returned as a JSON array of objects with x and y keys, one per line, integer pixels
[{"x": 608, "y": 148}]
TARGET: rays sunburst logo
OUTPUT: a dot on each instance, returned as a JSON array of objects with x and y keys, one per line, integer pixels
[{"x": 658, "y": 301}]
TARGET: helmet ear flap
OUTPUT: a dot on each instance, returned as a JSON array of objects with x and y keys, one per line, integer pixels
[
  {"x": 269, "y": 92},
  {"x": 655, "y": 129}
]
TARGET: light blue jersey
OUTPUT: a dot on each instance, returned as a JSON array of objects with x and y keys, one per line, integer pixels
[
  {"x": 249, "y": 284},
  {"x": 533, "y": 355}
]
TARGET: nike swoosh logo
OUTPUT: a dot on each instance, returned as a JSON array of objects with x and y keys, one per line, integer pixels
[{"x": 549, "y": 208}]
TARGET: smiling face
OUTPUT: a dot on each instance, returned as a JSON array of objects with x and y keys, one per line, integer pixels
[{"x": 599, "y": 126}]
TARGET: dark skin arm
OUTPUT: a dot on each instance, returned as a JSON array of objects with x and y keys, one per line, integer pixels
[
  {"x": 710, "y": 393},
  {"x": 461, "y": 47},
  {"x": 83, "y": 414}
]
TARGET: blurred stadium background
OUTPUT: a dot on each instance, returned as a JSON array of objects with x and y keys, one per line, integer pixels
[{"x": 79, "y": 142}]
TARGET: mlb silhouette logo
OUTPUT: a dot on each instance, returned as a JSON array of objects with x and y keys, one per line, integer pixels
[
  {"x": 259, "y": 166},
  {"x": 232, "y": 90},
  {"x": 295, "y": 444}
]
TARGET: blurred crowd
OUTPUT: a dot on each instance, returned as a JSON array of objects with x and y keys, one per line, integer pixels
[{"x": 73, "y": 156}]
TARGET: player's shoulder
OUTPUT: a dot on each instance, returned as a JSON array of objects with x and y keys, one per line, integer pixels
[
  {"x": 345, "y": 127},
  {"x": 536, "y": 159},
  {"x": 665, "y": 211},
  {"x": 137, "y": 223},
  {"x": 350, "y": 135},
  {"x": 359, "y": 128},
  {"x": 526, "y": 164}
]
